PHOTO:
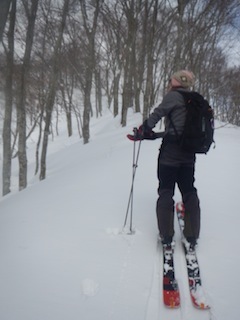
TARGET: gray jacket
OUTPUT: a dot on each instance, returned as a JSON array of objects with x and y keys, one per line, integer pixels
[
  {"x": 171, "y": 153},
  {"x": 172, "y": 102}
]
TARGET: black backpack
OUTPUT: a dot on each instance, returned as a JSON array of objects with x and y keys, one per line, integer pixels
[{"x": 198, "y": 132}]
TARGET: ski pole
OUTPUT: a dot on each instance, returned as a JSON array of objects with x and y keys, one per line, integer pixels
[{"x": 130, "y": 200}]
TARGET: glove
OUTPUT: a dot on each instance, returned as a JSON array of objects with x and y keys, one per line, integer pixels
[{"x": 144, "y": 131}]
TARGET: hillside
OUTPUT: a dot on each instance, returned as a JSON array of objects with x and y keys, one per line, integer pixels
[{"x": 63, "y": 256}]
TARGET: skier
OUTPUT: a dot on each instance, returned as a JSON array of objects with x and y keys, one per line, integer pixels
[{"x": 175, "y": 166}]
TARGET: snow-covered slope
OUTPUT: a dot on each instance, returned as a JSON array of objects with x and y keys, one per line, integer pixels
[{"x": 63, "y": 258}]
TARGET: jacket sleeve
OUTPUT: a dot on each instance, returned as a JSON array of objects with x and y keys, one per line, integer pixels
[{"x": 170, "y": 100}]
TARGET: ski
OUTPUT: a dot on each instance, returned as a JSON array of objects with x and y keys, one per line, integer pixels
[
  {"x": 171, "y": 296},
  {"x": 193, "y": 270}
]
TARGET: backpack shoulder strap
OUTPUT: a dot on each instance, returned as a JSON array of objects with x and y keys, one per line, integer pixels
[
  {"x": 185, "y": 95},
  {"x": 172, "y": 124}
]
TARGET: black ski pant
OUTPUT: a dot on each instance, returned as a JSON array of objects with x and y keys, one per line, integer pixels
[{"x": 183, "y": 176}]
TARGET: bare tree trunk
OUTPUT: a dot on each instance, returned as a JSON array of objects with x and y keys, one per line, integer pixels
[
  {"x": 4, "y": 9},
  {"x": 7, "y": 152},
  {"x": 52, "y": 90},
  {"x": 39, "y": 141},
  {"x": 131, "y": 12},
  {"x": 127, "y": 94},
  {"x": 116, "y": 81},
  {"x": 179, "y": 40},
  {"x": 90, "y": 63},
  {"x": 142, "y": 50},
  {"x": 98, "y": 85},
  {"x": 67, "y": 106},
  {"x": 150, "y": 61},
  {"x": 21, "y": 110}
]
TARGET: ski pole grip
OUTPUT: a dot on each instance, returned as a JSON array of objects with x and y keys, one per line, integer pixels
[{"x": 135, "y": 131}]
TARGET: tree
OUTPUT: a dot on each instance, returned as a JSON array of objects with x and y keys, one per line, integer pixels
[
  {"x": 21, "y": 102},
  {"x": 4, "y": 9},
  {"x": 90, "y": 27},
  {"x": 53, "y": 87},
  {"x": 113, "y": 31},
  {"x": 151, "y": 41},
  {"x": 7, "y": 151},
  {"x": 131, "y": 9}
]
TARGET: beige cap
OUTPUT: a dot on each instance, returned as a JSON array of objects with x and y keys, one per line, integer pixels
[{"x": 183, "y": 78}]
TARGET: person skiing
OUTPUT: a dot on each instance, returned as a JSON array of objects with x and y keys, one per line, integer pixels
[{"x": 175, "y": 165}]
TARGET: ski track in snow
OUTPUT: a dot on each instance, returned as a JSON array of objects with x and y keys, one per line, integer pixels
[{"x": 116, "y": 297}]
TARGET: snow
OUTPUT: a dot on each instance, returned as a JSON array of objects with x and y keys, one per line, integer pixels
[{"x": 63, "y": 252}]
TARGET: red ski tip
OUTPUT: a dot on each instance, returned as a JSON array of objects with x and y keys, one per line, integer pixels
[
  {"x": 171, "y": 299},
  {"x": 180, "y": 207}
]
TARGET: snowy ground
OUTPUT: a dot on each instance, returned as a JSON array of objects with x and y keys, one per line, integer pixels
[{"x": 62, "y": 257}]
